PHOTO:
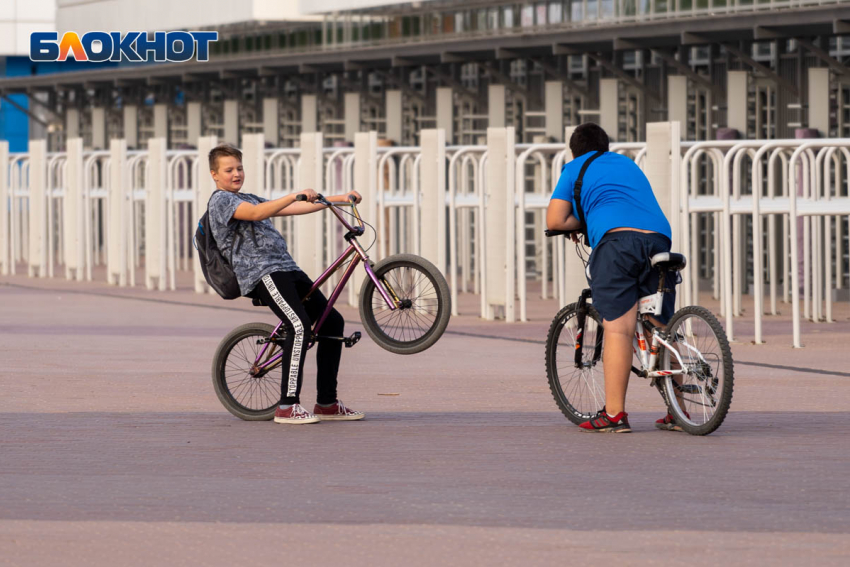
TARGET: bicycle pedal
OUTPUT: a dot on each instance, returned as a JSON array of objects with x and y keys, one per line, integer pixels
[{"x": 352, "y": 340}]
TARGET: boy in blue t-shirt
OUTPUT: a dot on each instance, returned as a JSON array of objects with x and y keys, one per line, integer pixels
[{"x": 625, "y": 228}]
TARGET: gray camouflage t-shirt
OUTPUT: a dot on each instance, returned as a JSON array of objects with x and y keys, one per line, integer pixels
[{"x": 259, "y": 252}]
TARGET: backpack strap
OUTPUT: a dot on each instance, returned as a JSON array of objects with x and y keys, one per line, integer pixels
[{"x": 577, "y": 194}]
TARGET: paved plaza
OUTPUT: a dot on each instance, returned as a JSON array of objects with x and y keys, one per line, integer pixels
[{"x": 114, "y": 449}]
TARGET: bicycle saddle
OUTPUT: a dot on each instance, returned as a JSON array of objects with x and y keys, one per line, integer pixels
[{"x": 669, "y": 261}]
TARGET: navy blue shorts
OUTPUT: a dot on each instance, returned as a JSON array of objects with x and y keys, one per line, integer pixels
[{"x": 621, "y": 273}]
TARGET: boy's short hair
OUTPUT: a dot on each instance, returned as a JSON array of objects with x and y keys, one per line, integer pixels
[
  {"x": 223, "y": 150},
  {"x": 588, "y": 137}
]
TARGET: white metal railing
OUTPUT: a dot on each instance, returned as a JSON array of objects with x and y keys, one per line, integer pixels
[{"x": 793, "y": 193}]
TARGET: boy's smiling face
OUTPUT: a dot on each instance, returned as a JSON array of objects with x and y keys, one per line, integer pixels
[{"x": 229, "y": 176}]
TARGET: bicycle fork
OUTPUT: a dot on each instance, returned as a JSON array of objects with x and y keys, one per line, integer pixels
[{"x": 581, "y": 319}]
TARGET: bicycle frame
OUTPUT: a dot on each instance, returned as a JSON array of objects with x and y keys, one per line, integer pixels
[
  {"x": 649, "y": 357},
  {"x": 354, "y": 249}
]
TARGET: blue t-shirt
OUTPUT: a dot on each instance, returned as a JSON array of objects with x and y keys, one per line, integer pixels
[{"x": 615, "y": 194}]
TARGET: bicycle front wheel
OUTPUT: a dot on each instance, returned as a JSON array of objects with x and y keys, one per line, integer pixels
[
  {"x": 578, "y": 391},
  {"x": 245, "y": 392},
  {"x": 425, "y": 304},
  {"x": 700, "y": 398}
]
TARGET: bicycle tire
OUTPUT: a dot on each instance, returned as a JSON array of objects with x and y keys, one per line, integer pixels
[
  {"x": 670, "y": 386},
  {"x": 567, "y": 406},
  {"x": 219, "y": 375},
  {"x": 441, "y": 304}
]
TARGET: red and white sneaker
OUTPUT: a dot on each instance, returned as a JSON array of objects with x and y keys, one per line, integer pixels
[
  {"x": 294, "y": 414},
  {"x": 337, "y": 412},
  {"x": 668, "y": 423}
]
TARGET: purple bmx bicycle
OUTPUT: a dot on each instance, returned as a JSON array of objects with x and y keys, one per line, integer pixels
[{"x": 405, "y": 307}]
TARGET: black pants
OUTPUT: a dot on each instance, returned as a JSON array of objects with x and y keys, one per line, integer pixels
[{"x": 283, "y": 292}]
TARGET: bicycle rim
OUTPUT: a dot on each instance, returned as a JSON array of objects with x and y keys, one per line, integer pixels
[
  {"x": 414, "y": 322},
  {"x": 248, "y": 391},
  {"x": 580, "y": 392},
  {"x": 700, "y": 398}
]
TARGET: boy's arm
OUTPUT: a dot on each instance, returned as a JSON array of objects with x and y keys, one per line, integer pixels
[
  {"x": 307, "y": 208},
  {"x": 268, "y": 209},
  {"x": 559, "y": 216}
]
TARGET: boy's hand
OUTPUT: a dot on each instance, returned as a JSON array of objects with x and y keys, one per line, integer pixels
[
  {"x": 356, "y": 195},
  {"x": 310, "y": 194}
]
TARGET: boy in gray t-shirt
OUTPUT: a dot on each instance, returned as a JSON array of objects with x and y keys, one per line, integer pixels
[{"x": 265, "y": 271}]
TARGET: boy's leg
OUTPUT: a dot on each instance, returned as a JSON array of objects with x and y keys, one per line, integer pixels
[
  {"x": 328, "y": 353},
  {"x": 279, "y": 292},
  {"x": 617, "y": 359}
]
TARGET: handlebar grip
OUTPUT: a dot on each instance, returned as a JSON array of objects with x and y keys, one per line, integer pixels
[
  {"x": 558, "y": 232},
  {"x": 301, "y": 197}
]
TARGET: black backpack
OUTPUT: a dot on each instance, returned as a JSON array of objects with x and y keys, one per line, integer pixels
[{"x": 218, "y": 270}]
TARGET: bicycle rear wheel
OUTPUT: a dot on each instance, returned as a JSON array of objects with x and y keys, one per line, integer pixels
[
  {"x": 426, "y": 305},
  {"x": 579, "y": 392},
  {"x": 245, "y": 393},
  {"x": 699, "y": 400}
]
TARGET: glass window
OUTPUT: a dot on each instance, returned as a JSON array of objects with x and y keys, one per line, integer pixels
[
  {"x": 249, "y": 44},
  {"x": 661, "y": 6},
  {"x": 448, "y": 24},
  {"x": 592, "y": 10},
  {"x": 540, "y": 14},
  {"x": 644, "y": 7},
  {"x": 459, "y": 22},
  {"x": 508, "y": 16},
  {"x": 267, "y": 42},
  {"x": 481, "y": 20},
  {"x": 577, "y": 11},
  {"x": 629, "y": 7},
  {"x": 493, "y": 17},
  {"x": 555, "y": 12},
  {"x": 526, "y": 17},
  {"x": 607, "y": 9}
]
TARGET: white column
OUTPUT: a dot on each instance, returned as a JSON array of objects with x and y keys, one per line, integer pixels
[
  {"x": 5, "y": 239},
  {"x": 737, "y": 89},
  {"x": 446, "y": 112},
  {"x": 575, "y": 278},
  {"x": 155, "y": 211},
  {"x": 73, "y": 237},
  {"x": 553, "y": 101},
  {"x": 193, "y": 123},
  {"x": 72, "y": 123},
  {"x": 609, "y": 107},
  {"x": 131, "y": 125},
  {"x": 496, "y": 106},
  {"x": 394, "y": 116},
  {"x": 500, "y": 223},
  {"x": 819, "y": 100},
  {"x": 160, "y": 121},
  {"x": 677, "y": 101},
  {"x": 117, "y": 262},
  {"x": 366, "y": 182},
  {"x": 307, "y": 248},
  {"x": 352, "y": 115},
  {"x": 206, "y": 186},
  {"x": 98, "y": 128},
  {"x": 254, "y": 164},
  {"x": 231, "y": 122},
  {"x": 37, "y": 208},
  {"x": 271, "y": 121},
  {"x": 663, "y": 158},
  {"x": 309, "y": 113},
  {"x": 433, "y": 190}
]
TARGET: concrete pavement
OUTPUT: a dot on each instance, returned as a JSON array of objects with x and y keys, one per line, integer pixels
[{"x": 115, "y": 449}]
